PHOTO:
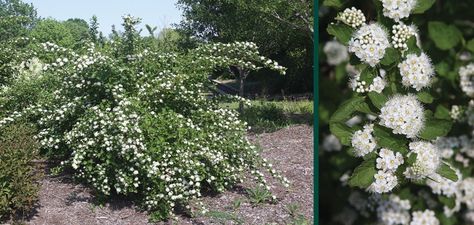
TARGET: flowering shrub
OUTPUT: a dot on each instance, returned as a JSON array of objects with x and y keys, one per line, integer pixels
[
  {"x": 134, "y": 122},
  {"x": 398, "y": 116}
]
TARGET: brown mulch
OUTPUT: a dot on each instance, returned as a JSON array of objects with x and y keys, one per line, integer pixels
[{"x": 290, "y": 150}]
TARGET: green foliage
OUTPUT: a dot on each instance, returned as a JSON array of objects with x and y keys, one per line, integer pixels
[
  {"x": 16, "y": 17},
  {"x": 446, "y": 171},
  {"x": 288, "y": 23},
  {"x": 18, "y": 177},
  {"x": 444, "y": 36},
  {"x": 134, "y": 122},
  {"x": 363, "y": 175},
  {"x": 341, "y": 31},
  {"x": 435, "y": 128},
  {"x": 269, "y": 116},
  {"x": 50, "y": 30},
  {"x": 259, "y": 194},
  {"x": 422, "y": 6}
]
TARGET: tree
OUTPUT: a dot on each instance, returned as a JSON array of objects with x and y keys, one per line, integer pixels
[
  {"x": 78, "y": 28},
  {"x": 16, "y": 18},
  {"x": 53, "y": 31},
  {"x": 281, "y": 28},
  {"x": 94, "y": 29}
]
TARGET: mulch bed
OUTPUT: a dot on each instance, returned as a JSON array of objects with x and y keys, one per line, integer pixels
[{"x": 290, "y": 150}]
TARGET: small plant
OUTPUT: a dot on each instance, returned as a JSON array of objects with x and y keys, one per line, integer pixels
[
  {"x": 18, "y": 187},
  {"x": 223, "y": 217},
  {"x": 259, "y": 194}
]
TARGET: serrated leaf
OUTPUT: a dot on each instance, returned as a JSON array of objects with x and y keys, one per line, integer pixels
[
  {"x": 412, "y": 158},
  {"x": 434, "y": 128},
  {"x": 348, "y": 108},
  {"x": 422, "y": 6},
  {"x": 425, "y": 97},
  {"x": 470, "y": 45},
  {"x": 444, "y": 36},
  {"x": 377, "y": 99},
  {"x": 412, "y": 46},
  {"x": 386, "y": 139},
  {"x": 341, "y": 31},
  {"x": 442, "y": 113},
  {"x": 342, "y": 132},
  {"x": 391, "y": 56},
  {"x": 447, "y": 201},
  {"x": 363, "y": 175},
  {"x": 445, "y": 171}
]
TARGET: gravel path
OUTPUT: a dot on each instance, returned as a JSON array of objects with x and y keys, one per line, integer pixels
[{"x": 290, "y": 150}]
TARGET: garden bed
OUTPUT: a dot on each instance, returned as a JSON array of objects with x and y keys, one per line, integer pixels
[{"x": 290, "y": 150}]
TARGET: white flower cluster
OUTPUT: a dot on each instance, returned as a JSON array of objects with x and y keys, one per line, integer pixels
[
  {"x": 427, "y": 160},
  {"x": 466, "y": 74},
  {"x": 394, "y": 211},
  {"x": 378, "y": 84},
  {"x": 443, "y": 186},
  {"x": 397, "y": 9},
  {"x": 417, "y": 71},
  {"x": 467, "y": 192},
  {"x": 164, "y": 144},
  {"x": 336, "y": 52},
  {"x": 389, "y": 160},
  {"x": 387, "y": 163},
  {"x": 456, "y": 112},
  {"x": 403, "y": 114},
  {"x": 369, "y": 43},
  {"x": 400, "y": 35},
  {"x": 352, "y": 17},
  {"x": 363, "y": 141},
  {"x": 384, "y": 182},
  {"x": 426, "y": 217}
]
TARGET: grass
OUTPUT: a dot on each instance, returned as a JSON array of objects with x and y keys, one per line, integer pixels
[
  {"x": 268, "y": 116},
  {"x": 223, "y": 217}
]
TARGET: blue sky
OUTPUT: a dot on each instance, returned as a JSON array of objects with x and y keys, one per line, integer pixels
[{"x": 160, "y": 13}]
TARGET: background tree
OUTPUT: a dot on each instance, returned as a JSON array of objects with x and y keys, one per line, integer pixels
[
  {"x": 16, "y": 17},
  {"x": 53, "y": 31},
  {"x": 279, "y": 27}
]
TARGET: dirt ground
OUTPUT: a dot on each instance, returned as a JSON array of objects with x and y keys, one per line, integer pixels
[{"x": 290, "y": 150}]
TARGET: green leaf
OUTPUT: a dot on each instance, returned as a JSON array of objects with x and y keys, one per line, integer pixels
[
  {"x": 447, "y": 201},
  {"x": 363, "y": 175},
  {"x": 348, "y": 108},
  {"x": 341, "y": 31},
  {"x": 367, "y": 74},
  {"x": 391, "y": 56},
  {"x": 378, "y": 100},
  {"x": 354, "y": 60},
  {"x": 425, "y": 97},
  {"x": 444, "y": 36},
  {"x": 470, "y": 45},
  {"x": 447, "y": 172},
  {"x": 442, "y": 113},
  {"x": 422, "y": 6},
  {"x": 342, "y": 132},
  {"x": 442, "y": 68},
  {"x": 412, "y": 46},
  {"x": 386, "y": 139},
  {"x": 435, "y": 128},
  {"x": 333, "y": 3},
  {"x": 412, "y": 158}
]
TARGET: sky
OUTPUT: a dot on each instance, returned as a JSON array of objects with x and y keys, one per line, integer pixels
[{"x": 159, "y": 13}]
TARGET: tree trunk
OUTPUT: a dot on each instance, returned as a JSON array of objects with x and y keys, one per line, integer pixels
[{"x": 241, "y": 89}]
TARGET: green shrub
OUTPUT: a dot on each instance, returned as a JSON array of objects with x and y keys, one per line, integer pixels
[
  {"x": 138, "y": 123},
  {"x": 18, "y": 188}
]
